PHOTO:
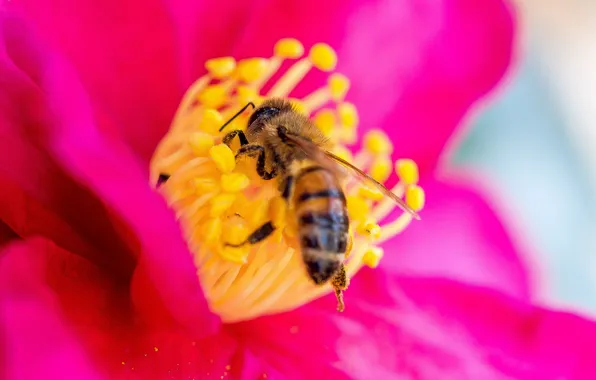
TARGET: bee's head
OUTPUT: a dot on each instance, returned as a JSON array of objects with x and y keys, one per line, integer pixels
[{"x": 260, "y": 117}]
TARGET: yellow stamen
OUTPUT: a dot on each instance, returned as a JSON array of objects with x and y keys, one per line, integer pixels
[
  {"x": 289, "y": 48},
  {"x": 338, "y": 86},
  {"x": 381, "y": 168},
  {"x": 325, "y": 121},
  {"x": 220, "y": 202},
  {"x": 220, "y": 68},
  {"x": 214, "y": 96},
  {"x": 373, "y": 256},
  {"x": 407, "y": 170},
  {"x": 234, "y": 182},
  {"x": 200, "y": 143},
  {"x": 348, "y": 114},
  {"x": 323, "y": 57},
  {"x": 415, "y": 197},
  {"x": 249, "y": 70},
  {"x": 377, "y": 142},
  {"x": 223, "y": 157}
]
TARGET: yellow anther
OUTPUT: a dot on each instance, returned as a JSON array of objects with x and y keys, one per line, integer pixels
[
  {"x": 358, "y": 208},
  {"x": 212, "y": 121},
  {"x": 343, "y": 152},
  {"x": 211, "y": 231},
  {"x": 338, "y": 85},
  {"x": 236, "y": 230},
  {"x": 214, "y": 96},
  {"x": 407, "y": 171},
  {"x": 251, "y": 69},
  {"x": 372, "y": 256},
  {"x": 234, "y": 182},
  {"x": 277, "y": 211},
  {"x": 220, "y": 68},
  {"x": 348, "y": 115},
  {"x": 323, "y": 57},
  {"x": 377, "y": 142},
  {"x": 223, "y": 157},
  {"x": 200, "y": 143},
  {"x": 205, "y": 185},
  {"x": 325, "y": 120},
  {"x": 221, "y": 203},
  {"x": 298, "y": 106},
  {"x": 247, "y": 94},
  {"x": 415, "y": 197},
  {"x": 370, "y": 228},
  {"x": 237, "y": 255},
  {"x": 380, "y": 169},
  {"x": 370, "y": 193},
  {"x": 350, "y": 243},
  {"x": 288, "y": 48}
]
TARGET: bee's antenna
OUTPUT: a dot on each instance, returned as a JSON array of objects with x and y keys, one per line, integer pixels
[{"x": 237, "y": 114}]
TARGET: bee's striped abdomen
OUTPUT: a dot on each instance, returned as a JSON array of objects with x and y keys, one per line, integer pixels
[{"x": 320, "y": 206}]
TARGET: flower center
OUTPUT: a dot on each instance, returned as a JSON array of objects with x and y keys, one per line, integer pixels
[{"x": 220, "y": 200}]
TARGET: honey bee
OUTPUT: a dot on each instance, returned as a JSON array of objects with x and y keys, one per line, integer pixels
[{"x": 288, "y": 146}]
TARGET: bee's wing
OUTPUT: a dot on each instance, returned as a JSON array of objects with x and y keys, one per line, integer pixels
[{"x": 334, "y": 163}]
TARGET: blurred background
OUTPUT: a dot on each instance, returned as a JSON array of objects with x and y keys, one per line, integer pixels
[{"x": 538, "y": 143}]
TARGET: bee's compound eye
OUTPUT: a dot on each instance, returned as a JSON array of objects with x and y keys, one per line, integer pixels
[{"x": 263, "y": 114}]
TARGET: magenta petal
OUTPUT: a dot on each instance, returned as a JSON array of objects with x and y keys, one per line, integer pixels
[
  {"x": 126, "y": 57},
  {"x": 416, "y": 66},
  {"x": 424, "y": 328},
  {"x": 36, "y": 340},
  {"x": 460, "y": 237},
  {"x": 108, "y": 169}
]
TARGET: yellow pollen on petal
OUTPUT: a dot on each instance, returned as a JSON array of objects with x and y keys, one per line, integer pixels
[
  {"x": 201, "y": 143},
  {"x": 289, "y": 48},
  {"x": 377, "y": 142},
  {"x": 220, "y": 68},
  {"x": 372, "y": 256},
  {"x": 223, "y": 157},
  {"x": 407, "y": 171},
  {"x": 244, "y": 237},
  {"x": 251, "y": 69},
  {"x": 323, "y": 57},
  {"x": 338, "y": 85},
  {"x": 415, "y": 197}
]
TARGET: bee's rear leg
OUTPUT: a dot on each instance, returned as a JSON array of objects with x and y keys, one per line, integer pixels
[
  {"x": 258, "y": 235},
  {"x": 340, "y": 282},
  {"x": 230, "y": 136},
  {"x": 253, "y": 150}
]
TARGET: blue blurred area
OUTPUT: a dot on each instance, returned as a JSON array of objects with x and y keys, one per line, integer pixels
[{"x": 521, "y": 142}]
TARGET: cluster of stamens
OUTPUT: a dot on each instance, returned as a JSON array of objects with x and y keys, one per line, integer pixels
[{"x": 220, "y": 201}]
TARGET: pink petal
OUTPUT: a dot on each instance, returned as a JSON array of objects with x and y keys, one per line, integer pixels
[
  {"x": 461, "y": 237},
  {"x": 416, "y": 65},
  {"x": 424, "y": 328},
  {"x": 37, "y": 198},
  {"x": 107, "y": 168},
  {"x": 37, "y": 340},
  {"x": 135, "y": 59}
]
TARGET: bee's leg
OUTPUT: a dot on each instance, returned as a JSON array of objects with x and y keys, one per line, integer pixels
[
  {"x": 340, "y": 282},
  {"x": 253, "y": 150},
  {"x": 230, "y": 136},
  {"x": 163, "y": 178},
  {"x": 287, "y": 187},
  {"x": 258, "y": 235}
]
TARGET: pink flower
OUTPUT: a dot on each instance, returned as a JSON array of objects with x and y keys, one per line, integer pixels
[{"x": 95, "y": 278}]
